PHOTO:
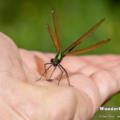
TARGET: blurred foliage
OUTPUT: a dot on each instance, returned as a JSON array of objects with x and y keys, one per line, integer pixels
[{"x": 25, "y": 22}]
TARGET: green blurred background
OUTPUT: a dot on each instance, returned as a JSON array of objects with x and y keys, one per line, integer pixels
[{"x": 25, "y": 22}]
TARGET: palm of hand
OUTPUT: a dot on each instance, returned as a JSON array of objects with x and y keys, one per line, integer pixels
[{"x": 95, "y": 79}]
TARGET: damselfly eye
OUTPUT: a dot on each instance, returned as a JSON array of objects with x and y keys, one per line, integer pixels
[{"x": 51, "y": 60}]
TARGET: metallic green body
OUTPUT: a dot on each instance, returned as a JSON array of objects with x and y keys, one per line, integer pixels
[{"x": 59, "y": 57}]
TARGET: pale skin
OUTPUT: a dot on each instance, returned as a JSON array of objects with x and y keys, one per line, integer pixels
[{"x": 95, "y": 79}]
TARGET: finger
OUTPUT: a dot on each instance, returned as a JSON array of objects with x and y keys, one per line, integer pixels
[
  {"x": 97, "y": 59},
  {"x": 107, "y": 82},
  {"x": 90, "y": 69},
  {"x": 108, "y": 64},
  {"x": 11, "y": 64},
  {"x": 7, "y": 42},
  {"x": 111, "y": 57}
]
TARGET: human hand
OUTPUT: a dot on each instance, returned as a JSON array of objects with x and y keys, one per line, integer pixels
[{"x": 95, "y": 79}]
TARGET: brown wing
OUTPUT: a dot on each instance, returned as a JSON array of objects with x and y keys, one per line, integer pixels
[
  {"x": 84, "y": 36},
  {"x": 53, "y": 37},
  {"x": 57, "y": 29},
  {"x": 89, "y": 48}
]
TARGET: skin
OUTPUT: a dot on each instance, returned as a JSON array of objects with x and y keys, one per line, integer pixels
[{"x": 95, "y": 79}]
